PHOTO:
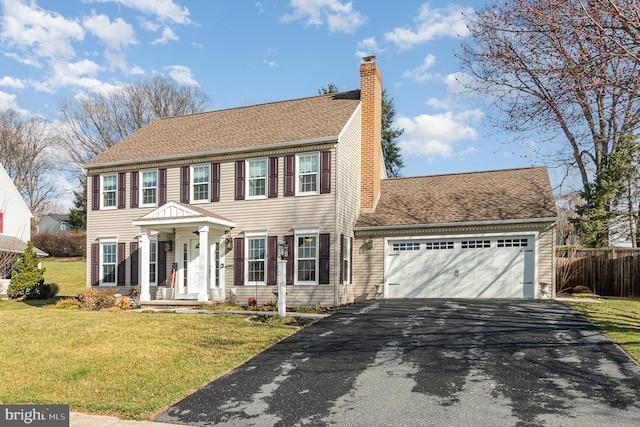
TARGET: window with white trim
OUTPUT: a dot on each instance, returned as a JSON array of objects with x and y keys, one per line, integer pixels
[
  {"x": 200, "y": 183},
  {"x": 108, "y": 263},
  {"x": 153, "y": 262},
  {"x": 257, "y": 179},
  {"x": 109, "y": 191},
  {"x": 307, "y": 259},
  {"x": 346, "y": 260},
  {"x": 406, "y": 246},
  {"x": 475, "y": 244},
  {"x": 513, "y": 243},
  {"x": 308, "y": 173},
  {"x": 256, "y": 260},
  {"x": 436, "y": 246},
  {"x": 149, "y": 188}
]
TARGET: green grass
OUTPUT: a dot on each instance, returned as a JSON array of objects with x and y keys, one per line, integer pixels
[
  {"x": 617, "y": 317},
  {"x": 127, "y": 364},
  {"x": 69, "y": 274}
]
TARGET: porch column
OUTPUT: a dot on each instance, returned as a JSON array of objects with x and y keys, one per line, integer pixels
[
  {"x": 203, "y": 264},
  {"x": 143, "y": 252}
]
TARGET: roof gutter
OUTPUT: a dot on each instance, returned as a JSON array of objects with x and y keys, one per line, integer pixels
[
  {"x": 289, "y": 144},
  {"x": 456, "y": 224}
]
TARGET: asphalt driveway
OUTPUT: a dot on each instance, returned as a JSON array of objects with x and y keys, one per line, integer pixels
[{"x": 430, "y": 363}]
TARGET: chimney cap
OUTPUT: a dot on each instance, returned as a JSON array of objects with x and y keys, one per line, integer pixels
[{"x": 371, "y": 58}]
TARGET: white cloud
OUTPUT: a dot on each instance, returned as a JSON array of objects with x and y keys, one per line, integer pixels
[
  {"x": 164, "y": 10},
  {"x": 23, "y": 59},
  {"x": 8, "y": 102},
  {"x": 182, "y": 75},
  {"x": 367, "y": 47},
  {"x": 167, "y": 35},
  {"x": 116, "y": 35},
  {"x": 420, "y": 74},
  {"x": 7, "y": 81},
  {"x": 431, "y": 24},
  {"x": 38, "y": 32},
  {"x": 435, "y": 135},
  {"x": 76, "y": 75},
  {"x": 338, "y": 16}
]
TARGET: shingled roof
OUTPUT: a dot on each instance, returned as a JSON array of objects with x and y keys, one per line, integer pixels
[
  {"x": 315, "y": 118},
  {"x": 515, "y": 194}
]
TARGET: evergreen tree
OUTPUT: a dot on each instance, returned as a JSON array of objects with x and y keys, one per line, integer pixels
[
  {"x": 78, "y": 215},
  {"x": 27, "y": 277},
  {"x": 390, "y": 150}
]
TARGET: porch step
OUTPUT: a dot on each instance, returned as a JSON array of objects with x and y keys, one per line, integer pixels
[{"x": 166, "y": 303}]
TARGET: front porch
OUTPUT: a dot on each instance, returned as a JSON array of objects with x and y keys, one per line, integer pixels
[{"x": 196, "y": 253}]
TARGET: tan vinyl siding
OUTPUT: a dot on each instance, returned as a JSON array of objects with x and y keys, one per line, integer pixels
[
  {"x": 368, "y": 265},
  {"x": 546, "y": 256}
]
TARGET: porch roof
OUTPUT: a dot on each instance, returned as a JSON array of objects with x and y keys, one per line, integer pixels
[{"x": 176, "y": 215}]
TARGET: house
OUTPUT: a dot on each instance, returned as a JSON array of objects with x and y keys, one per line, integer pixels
[
  {"x": 201, "y": 203},
  {"x": 54, "y": 223},
  {"x": 15, "y": 226}
]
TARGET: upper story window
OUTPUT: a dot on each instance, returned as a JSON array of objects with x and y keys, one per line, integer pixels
[
  {"x": 149, "y": 188},
  {"x": 257, "y": 179},
  {"x": 109, "y": 191},
  {"x": 200, "y": 183},
  {"x": 307, "y": 174}
]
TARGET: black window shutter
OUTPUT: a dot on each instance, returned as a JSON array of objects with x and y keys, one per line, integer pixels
[
  {"x": 240, "y": 180},
  {"x": 325, "y": 172},
  {"x": 290, "y": 259},
  {"x": 341, "y": 258},
  {"x": 215, "y": 182},
  {"x": 184, "y": 184},
  {"x": 133, "y": 256},
  {"x": 324, "y": 259},
  {"x": 272, "y": 260},
  {"x": 95, "y": 264},
  {"x": 95, "y": 192},
  {"x": 350, "y": 259},
  {"x": 122, "y": 188},
  {"x": 162, "y": 186},
  {"x": 134, "y": 190},
  {"x": 289, "y": 175},
  {"x": 238, "y": 261},
  {"x": 162, "y": 264},
  {"x": 121, "y": 264},
  {"x": 273, "y": 177}
]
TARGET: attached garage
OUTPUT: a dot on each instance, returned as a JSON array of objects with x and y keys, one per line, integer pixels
[
  {"x": 472, "y": 235},
  {"x": 471, "y": 267}
]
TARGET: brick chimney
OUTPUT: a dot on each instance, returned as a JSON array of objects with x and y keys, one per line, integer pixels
[{"x": 371, "y": 145}]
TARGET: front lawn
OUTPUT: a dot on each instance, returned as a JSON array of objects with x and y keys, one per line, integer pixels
[
  {"x": 617, "y": 317},
  {"x": 69, "y": 273},
  {"x": 127, "y": 364}
]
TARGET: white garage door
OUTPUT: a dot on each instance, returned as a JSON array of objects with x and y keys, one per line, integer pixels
[{"x": 461, "y": 268}]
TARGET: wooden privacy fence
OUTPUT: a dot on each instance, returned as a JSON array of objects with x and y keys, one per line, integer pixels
[{"x": 607, "y": 272}]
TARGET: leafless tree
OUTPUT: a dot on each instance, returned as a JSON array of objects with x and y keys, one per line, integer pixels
[
  {"x": 96, "y": 122},
  {"x": 26, "y": 147},
  {"x": 566, "y": 209}
]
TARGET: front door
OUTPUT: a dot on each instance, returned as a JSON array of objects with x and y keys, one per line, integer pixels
[{"x": 188, "y": 268}]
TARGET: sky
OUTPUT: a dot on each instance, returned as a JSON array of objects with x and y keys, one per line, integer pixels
[{"x": 250, "y": 52}]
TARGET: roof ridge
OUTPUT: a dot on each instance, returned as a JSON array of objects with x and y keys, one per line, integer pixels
[
  {"x": 282, "y": 101},
  {"x": 464, "y": 173}
]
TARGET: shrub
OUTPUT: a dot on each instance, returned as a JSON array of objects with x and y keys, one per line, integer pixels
[
  {"x": 68, "y": 303},
  {"x": 27, "y": 279},
  {"x": 94, "y": 299},
  {"x": 63, "y": 245},
  {"x": 53, "y": 289}
]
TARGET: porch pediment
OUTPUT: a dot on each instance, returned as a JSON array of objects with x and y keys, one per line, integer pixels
[{"x": 176, "y": 214}]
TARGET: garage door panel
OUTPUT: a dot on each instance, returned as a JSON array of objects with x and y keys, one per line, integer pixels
[{"x": 461, "y": 268}]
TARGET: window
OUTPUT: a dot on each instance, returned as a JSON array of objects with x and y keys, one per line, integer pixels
[
  {"x": 257, "y": 179},
  {"x": 109, "y": 191},
  {"x": 149, "y": 188},
  {"x": 513, "y": 243},
  {"x": 200, "y": 184},
  {"x": 108, "y": 264},
  {"x": 475, "y": 244},
  {"x": 153, "y": 262},
  {"x": 307, "y": 259},
  {"x": 256, "y": 260},
  {"x": 307, "y": 171},
  {"x": 435, "y": 246},
  {"x": 346, "y": 259},
  {"x": 406, "y": 246}
]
